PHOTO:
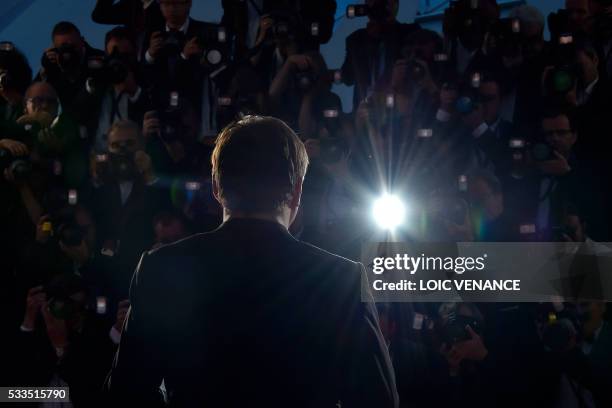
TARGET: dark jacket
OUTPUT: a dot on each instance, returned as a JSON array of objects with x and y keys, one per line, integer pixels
[{"x": 247, "y": 315}]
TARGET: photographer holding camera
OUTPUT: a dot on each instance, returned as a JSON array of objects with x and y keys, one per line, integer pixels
[
  {"x": 138, "y": 16},
  {"x": 301, "y": 76},
  {"x": 63, "y": 342},
  {"x": 15, "y": 76},
  {"x": 65, "y": 63},
  {"x": 182, "y": 57},
  {"x": 251, "y": 22},
  {"x": 372, "y": 51},
  {"x": 125, "y": 197},
  {"x": 113, "y": 91}
]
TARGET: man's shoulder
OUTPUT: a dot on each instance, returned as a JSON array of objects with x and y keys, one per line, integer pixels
[
  {"x": 204, "y": 244},
  {"x": 321, "y": 255}
]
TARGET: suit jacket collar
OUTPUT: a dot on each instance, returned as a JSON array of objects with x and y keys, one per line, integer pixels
[{"x": 254, "y": 227}]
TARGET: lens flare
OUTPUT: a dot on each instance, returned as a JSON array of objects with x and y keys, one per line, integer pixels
[{"x": 389, "y": 212}]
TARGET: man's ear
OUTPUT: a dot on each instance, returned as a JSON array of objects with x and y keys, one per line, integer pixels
[
  {"x": 296, "y": 195},
  {"x": 215, "y": 188}
]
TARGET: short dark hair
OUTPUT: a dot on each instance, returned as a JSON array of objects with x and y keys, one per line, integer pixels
[
  {"x": 119, "y": 33},
  {"x": 64, "y": 27},
  {"x": 256, "y": 164},
  {"x": 18, "y": 67},
  {"x": 553, "y": 112}
]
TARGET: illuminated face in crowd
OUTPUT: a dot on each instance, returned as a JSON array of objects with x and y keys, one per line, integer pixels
[
  {"x": 41, "y": 97},
  {"x": 123, "y": 141},
  {"x": 559, "y": 134}
]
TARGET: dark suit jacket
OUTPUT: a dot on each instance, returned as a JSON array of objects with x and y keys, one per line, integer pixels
[
  {"x": 247, "y": 315},
  {"x": 88, "y": 106}
]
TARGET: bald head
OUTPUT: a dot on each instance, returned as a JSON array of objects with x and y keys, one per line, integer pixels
[{"x": 41, "y": 96}]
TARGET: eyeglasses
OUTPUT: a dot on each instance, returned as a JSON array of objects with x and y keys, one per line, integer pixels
[{"x": 40, "y": 100}]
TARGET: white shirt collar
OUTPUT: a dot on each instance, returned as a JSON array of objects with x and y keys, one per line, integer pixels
[
  {"x": 183, "y": 28},
  {"x": 589, "y": 89},
  {"x": 146, "y": 3}
]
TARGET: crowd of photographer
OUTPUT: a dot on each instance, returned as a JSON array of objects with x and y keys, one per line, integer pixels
[{"x": 493, "y": 132}]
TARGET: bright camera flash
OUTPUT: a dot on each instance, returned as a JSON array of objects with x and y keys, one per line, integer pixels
[
  {"x": 390, "y": 101},
  {"x": 192, "y": 186},
  {"x": 417, "y": 323},
  {"x": 424, "y": 133},
  {"x": 476, "y": 80},
  {"x": 224, "y": 101},
  {"x": 72, "y": 197},
  {"x": 441, "y": 57},
  {"x": 221, "y": 35},
  {"x": 462, "y": 183},
  {"x": 350, "y": 11},
  {"x": 314, "y": 29},
  {"x": 330, "y": 113},
  {"x": 389, "y": 212},
  {"x": 101, "y": 305}
]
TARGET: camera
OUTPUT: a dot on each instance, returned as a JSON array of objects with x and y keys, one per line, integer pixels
[
  {"x": 113, "y": 69},
  {"x": 305, "y": 79},
  {"x": 19, "y": 167},
  {"x": 542, "y": 152},
  {"x": 213, "y": 42},
  {"x": 454, "y": 330},
  {"x": 68, "y": 57},
  {"x": 467, "y": 101},
  {"x": 463, "y": 19},
  {"x": 115, "y": 166},
  {"x": 505, "y": 37}
]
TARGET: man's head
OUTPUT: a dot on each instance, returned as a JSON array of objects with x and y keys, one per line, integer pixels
[
  {"x": 558, "y": 132},
  {"x": 15, "y": 72},
  {"x": 259, "y": 165},
  {"x": 587, "y": 60},
  {"x": 579, "y": 14},
  {"x": 383, "y": 10},
  {"x": 573, "y": 225},
  {"x": 124, "y": 137},
  {"x": 169, "y": 227},
  {"x": 532, "y": 29},
  {"x": 120, "y": 39},
  {"x": 41, "y": 97},
  {"x": 66, "y": 34},
  {"x": 490, "y": 98},
  {"x": 175, "y": 12},
  {"x": 485, "y": 194}
]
